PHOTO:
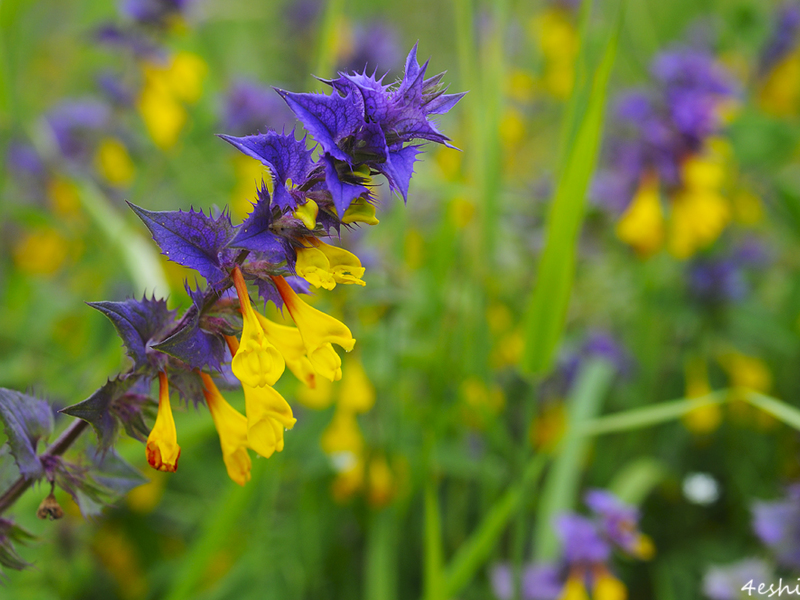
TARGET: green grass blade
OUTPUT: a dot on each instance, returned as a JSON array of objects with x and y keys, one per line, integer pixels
[
  {"x": 650, "y": 415},
  {"x": 636, "y": 480},
  {"x": 328, "y": 40},
  {"x": 548, "y": 306},
  {"x": 380, "y": 577},
  {"x": 434, "y": 555},
  {"x": 777, "y": 408},
  {"x": 478, "y": 547},
  {"x": 561, "y": 485}
]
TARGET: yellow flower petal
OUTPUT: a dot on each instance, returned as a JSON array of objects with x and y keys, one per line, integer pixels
[
  {"x": 574, "y": 590},
  {"x": 268, "y": 415},
  {"x": 608, "y": 587},
  {"x": 114, "y": 162},
  {"x": 357, "y": 392},
  {"x": 289, "y": 343},
  {"x": 704, "y": 419},
  {"x": 642, "y": 224},
  {"x": 342, "y": 435},
  {"x": 381, "y": 482},
  {"x": 257, "y": 362},
  {"x": 360, "y": 211},
  {"x": 344, "y": 266},
  {"x": 162, "y": 444},
  {"x": 307, "y": 213},
  {"x": 697, "y": 220},
  {"x": 232, "y": 429},
  {"x": 317, "y": 398},
  {"x": 318, "y": 330},
  {"x": 313, "y": 266}
]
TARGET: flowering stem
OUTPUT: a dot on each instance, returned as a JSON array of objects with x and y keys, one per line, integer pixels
[{"x": 57, "y": 448}]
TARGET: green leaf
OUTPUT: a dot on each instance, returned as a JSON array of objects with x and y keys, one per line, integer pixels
[{"x": 547, "y": 310}]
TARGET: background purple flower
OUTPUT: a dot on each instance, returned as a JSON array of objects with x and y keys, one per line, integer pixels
[
  {"x": 777, "y": 524},
  {"x": 726, "y": 583},
  {"x": 249, "y": 107},
  {"x": 618, "y": 521},
  {"x": 541, "y": 581},
  {"x": 581, "y": 541},
  {"x": 716, "y": 280},
  {"x": 376, "y": 47},
  {"x": 786, "y": 27},
  {"x": 76, "y": 126}
]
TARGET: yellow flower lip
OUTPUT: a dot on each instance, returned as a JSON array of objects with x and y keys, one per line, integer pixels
[
  {"x": 268, "y": 414},
  {"x": 323, "y": 265},
  {"x": 289, "y": 343},
  {"x": 318, "y": 330},
  {"x": 162, "y": 448},
  {"x": 257, "y": 363}
]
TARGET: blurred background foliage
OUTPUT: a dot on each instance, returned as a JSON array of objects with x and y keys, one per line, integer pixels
[{"x": 422, "y": 468}]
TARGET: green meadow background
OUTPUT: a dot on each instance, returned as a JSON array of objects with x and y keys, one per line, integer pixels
[{"x": 495, "y": 268}]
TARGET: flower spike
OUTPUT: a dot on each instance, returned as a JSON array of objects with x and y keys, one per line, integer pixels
[
  {"x": 257, "y": 363},
  {"x": 162, "y": 448},
  {"x": 232, "y": 428}
]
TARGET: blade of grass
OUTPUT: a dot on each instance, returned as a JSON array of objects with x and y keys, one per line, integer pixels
[
  {"x": 328, "y": 39},
  {"x": 561, "y": 484},
  {"x": 548, "y": 306},
  {"x": 380, "y": 574},
  {"x": 637, "y": 479},
  {"x": 433, "y": 574},
  {"x": 638, "y": 418},
  {"x": 473, "y": 553},
  {"x": 777, "y": 408}
]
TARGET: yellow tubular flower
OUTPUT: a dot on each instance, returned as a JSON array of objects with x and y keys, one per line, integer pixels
[
  {"x": 698, "y": 218},
  {"x": 257, "y": 363},
  {"x": 574, "y": 589},
  {"x": 307, "y": 213},
  {"x": 344, "y": 266},
  {"x": 608, "y": 587},
  {"x": 317, "y": 398},
  {"x": 268, "y": 414},
  {"x": 357, "y": 394},
  {"x": 232, "y": 429},
  {"x": 114, "y": 162},
  {"x": 289, "y": 343},
  {"x": 642, "y": 224},
  {"x": 313, "y": 266},
  {"x": 162, "y": 447},
  {"x": 319, "y": 332},
  {"x": 342, "y": 439},
  {"x": 381, "y": 482},
  {"x": 360, "y": 211},
  {"x": 704, "y": 419}
]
